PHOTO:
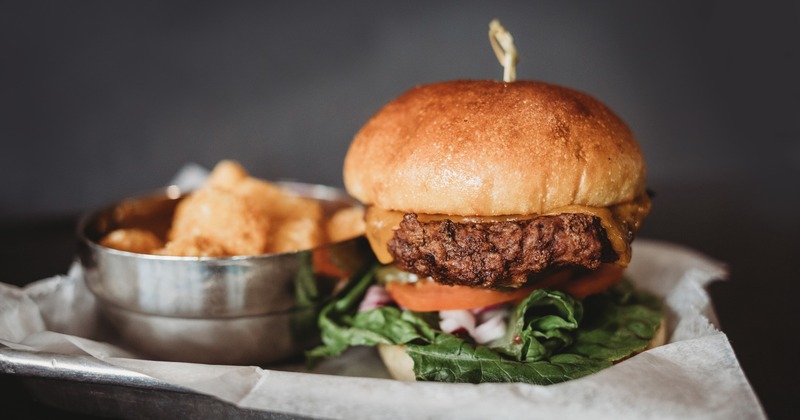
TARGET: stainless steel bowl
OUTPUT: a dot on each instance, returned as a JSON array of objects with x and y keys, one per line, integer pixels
[{"x": 237, "y": 310}]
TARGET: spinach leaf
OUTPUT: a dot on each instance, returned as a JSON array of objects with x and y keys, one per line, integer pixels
[
  {"x": 539, "y": 326},
  {"x": 618, "y": 323},
  {"x": 451, "y": 359}
]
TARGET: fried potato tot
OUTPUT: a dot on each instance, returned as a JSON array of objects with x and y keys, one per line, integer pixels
[
  {"x": 296, "y": 234},
  {"x": 224, "y": 218},
  {"x": 345, "y": 224},
  {"x": 132, "y": 240},
  {"x": 268, "y": 197},
  {"x": 193, "y": 246},
  {"x": 298, "y": 222},
  {"x": 226, "y": 175},
  {"x": 236, "y": 214}
]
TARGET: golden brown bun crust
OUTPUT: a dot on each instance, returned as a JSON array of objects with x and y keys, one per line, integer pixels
[{"x": 493, "y": 148}]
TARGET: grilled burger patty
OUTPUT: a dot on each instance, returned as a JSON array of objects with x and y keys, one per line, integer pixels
[{"x": 498, "y": 254}]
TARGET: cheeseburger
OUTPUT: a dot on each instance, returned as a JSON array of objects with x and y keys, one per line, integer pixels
[{"x": 502, "y": 216}]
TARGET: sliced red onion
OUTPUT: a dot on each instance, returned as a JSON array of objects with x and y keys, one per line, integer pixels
[
  {"x": 491, "y": 329},
  {"x": 452, "y": 321},
  {"x": 485, "y": 327},
  {"x": 498, "y": 311},
  {"x": 375, "y": 297}
]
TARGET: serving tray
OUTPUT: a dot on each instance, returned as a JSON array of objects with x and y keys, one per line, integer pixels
[{"x": 84, "y": 384}]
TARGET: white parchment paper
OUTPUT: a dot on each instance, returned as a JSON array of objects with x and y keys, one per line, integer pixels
[{"x": 695, "y": 375}]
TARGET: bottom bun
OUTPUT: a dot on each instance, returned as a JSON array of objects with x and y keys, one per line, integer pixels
[
  {"x": 397, "y": 362},
  {"x": 660, "y": 338},
  {"x": 401, "y": 366}
]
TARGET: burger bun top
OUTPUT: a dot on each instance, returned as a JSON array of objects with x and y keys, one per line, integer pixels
[{"x": 488, "y": 148}]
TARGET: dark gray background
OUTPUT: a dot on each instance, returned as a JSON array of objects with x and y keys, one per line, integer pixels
[{"x": 100, "y": 100}]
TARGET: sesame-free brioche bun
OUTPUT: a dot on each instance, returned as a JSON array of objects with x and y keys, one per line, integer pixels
[{"x": 493, "y": 148}]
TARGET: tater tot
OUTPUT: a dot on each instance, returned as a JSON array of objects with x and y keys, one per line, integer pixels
[
  {"x": 295, "y": 207},
  {"x": 193, "y": 246},
  {"x": 132, "y": 240},
  {"x": 345, "y": 224},
  {"x": 226, "y": 175},
  {"x": 277, "y": 202},
  {"x": 297, "y": 221},
  {"x": 264, "y": 195},
  {"x": 299, "y": 224},
  {"x": 295, "y": 235},
  {"x": 224, "y": 218},
  {"x": 236, "y": 214}
]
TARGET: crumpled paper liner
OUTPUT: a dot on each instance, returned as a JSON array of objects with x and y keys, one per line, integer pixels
[{"x": 695, "y": 375}]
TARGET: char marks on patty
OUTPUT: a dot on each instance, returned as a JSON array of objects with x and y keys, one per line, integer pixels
[{"x": 498, "y": 254}]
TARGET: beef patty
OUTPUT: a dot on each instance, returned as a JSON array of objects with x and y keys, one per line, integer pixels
[{"x": 496, "y": 254}]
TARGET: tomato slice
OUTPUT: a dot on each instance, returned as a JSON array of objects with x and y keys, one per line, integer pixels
[
  {"x": 592, "y": 282},
  {"x": 430, "y": 296},
  {"x": 323, "y": 263}
]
